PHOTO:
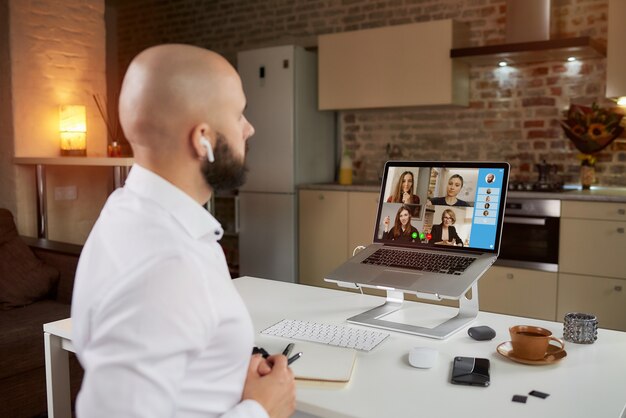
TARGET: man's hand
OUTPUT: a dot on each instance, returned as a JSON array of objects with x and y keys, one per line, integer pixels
[
  {"x": 265, "y": 367},
  {"x": 275, "y": 390}
]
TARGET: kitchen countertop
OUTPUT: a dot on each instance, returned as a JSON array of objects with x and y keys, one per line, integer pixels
[
  {"x": 375, "y": 188},
  {"x": 571, "y": 192}
]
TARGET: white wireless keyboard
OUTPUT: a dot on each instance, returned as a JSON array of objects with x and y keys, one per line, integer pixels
[{"x": 337, "y": 335}]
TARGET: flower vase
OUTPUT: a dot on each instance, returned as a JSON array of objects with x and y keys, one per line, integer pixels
[{"x": 587, "y": 174}]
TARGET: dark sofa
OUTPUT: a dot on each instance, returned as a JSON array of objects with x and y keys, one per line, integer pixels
[{"x": 22, "y": 366}]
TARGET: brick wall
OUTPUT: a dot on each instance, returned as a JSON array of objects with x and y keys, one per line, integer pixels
[
  {"x": 513, "y": 113},
  {"x": 512, "y": 116}
]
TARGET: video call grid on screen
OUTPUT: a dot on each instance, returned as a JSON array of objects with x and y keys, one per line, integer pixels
[{"x": 422, "y": 192}]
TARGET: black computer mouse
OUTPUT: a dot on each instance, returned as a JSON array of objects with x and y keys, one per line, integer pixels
[{"x": 481, "y": 333}]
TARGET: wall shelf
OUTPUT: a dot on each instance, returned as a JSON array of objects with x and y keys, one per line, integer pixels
[
  {"x": 79, "y": 161},
  {"x": 531, "y": 52},
  {"x": 121, "y": 168}
]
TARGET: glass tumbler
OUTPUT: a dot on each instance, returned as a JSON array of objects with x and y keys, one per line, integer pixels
[{"x": 580, "y": 328}]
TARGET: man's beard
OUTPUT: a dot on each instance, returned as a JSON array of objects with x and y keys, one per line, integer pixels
[{"x": 226, "y": 172}]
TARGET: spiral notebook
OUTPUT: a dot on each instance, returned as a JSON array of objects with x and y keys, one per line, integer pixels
[{"x": 319, "y": 362}]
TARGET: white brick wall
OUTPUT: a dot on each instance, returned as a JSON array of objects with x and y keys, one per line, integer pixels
[
  {"x": 57, "y": 57},
  {"x": 57, "y": 50}
]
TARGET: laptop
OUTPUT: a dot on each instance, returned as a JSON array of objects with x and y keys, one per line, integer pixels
[{"x": 437, "y": 229}]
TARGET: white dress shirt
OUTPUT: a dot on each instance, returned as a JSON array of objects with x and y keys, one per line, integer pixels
[{"x": 157, "y": 323}]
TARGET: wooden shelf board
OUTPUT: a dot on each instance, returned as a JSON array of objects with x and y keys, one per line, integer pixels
[{"x": 77, "y": 161}]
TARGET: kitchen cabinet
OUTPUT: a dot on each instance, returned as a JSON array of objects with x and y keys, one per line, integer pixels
[
  {"x": 362, "y": 207},
  {"x": 594, "y": 210},
  {"x": 593, "y": 247},
  {"x": 521, "y": 292},
  {"x": 323, "y": 237},
  {"x": 393, "y": 66},
  {"x": 603, "y": 297},
  {"x": 332, "y": 224},
  {"x": 592, "y": 268},
  {"x": 616, "y": 59},
  {"x": 592, "y": 236}
]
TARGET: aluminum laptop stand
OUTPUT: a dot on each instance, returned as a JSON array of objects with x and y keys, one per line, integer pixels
[{"x": 468, "y": 310}]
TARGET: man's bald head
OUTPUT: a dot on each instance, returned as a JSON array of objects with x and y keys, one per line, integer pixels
[
  {"x": 179, "y": 102},
  {"x": 167, "y": 91}
]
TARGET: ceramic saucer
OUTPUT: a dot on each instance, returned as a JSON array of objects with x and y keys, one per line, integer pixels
[{"x": 506, "y": 349}]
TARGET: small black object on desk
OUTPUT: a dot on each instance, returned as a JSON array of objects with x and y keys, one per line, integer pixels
[{"x": 481, "y": 333}]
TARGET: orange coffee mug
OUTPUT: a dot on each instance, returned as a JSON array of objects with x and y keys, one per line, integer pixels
[{"x": 531, "y": 343}]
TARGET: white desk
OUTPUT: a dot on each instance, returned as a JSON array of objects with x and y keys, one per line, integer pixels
[
  {"x": 57, "y": 338},
  {"x": 589, "y": 382}
]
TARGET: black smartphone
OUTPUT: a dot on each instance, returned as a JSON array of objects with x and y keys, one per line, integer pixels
[{"x": 470, "y": 371}]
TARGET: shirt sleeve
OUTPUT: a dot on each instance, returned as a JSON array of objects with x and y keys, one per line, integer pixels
[{"x": 143, "y": 335}]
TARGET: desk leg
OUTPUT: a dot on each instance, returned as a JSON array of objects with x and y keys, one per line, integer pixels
[
  {"x": 42, "y": 210},
  {"x": 57, "y": 378}
]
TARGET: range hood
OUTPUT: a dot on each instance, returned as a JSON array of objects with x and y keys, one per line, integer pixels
[
  {"x": 528, "y": 39},
  {"x": 528, "y": 52}
]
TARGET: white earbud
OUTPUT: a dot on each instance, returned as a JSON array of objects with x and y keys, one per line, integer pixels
[{"x": 209, "y": 149}]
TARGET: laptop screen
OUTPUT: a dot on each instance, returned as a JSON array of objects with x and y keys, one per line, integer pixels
[{"x": 442, "y": 205}]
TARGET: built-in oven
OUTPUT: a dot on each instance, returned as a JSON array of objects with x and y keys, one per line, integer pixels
[{"x": 530, "y": 235}]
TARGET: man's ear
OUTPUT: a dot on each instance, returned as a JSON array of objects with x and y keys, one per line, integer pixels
[{"x": 202, "y": 141}]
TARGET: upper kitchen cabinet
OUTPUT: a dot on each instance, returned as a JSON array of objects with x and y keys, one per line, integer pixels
[
  {"x": 394, "y": 66},
  {"x": 616, "y": 59}
]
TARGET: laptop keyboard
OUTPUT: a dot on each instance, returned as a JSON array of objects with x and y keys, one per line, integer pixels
[
  {"x": 438, "y": 263},
  {"x": 337, "y": 335}
]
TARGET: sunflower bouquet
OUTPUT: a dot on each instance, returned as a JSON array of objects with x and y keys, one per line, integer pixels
[{"x": 591, "y": 129}]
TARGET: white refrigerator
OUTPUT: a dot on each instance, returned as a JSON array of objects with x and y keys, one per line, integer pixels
[{"x": 294, "y": 144}]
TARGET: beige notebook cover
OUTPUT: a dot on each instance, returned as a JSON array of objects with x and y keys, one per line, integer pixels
[{"x": 318, "y": 362}]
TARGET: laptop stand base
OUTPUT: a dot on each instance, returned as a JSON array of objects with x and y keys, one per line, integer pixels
[{"x": 468, "y": 310}]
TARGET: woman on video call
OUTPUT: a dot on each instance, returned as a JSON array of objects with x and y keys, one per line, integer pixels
[
  {"x": 445, "y": 233},
  {"x": 402, "y": 229},
  {"x": 403, "y": 192},
  {"x": 455, "y": 184}
]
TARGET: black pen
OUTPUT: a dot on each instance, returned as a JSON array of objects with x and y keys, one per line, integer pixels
[
  {"x": 294, "y": 358},
  {"x": 288, "y": 349}
]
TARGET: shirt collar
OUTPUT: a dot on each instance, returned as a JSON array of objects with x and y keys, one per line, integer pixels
[{"x": 195, "y": 219}]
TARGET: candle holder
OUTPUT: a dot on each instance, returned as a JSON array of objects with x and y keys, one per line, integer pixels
[{"x": 580, "y": 328}]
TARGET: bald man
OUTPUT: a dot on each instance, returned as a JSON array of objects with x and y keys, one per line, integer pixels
[{"x": 157, "y": 323}]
